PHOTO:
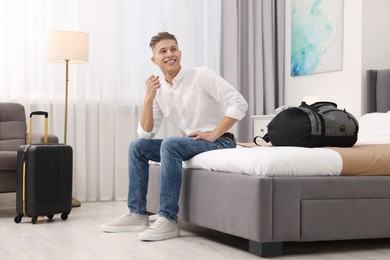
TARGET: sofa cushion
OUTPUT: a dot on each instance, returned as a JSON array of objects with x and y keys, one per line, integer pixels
[
  {"x": 11, "y": 144},
  {"x": 8, "y": 160},
  {"x": 13, "y": 126}
]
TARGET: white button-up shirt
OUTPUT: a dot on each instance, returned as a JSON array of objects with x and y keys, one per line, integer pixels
[{"x": 198, "y": 99}]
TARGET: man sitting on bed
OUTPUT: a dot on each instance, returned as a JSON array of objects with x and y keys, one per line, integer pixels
[{"x": 203, "y": 106}]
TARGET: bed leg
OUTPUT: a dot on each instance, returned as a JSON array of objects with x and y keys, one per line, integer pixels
[{"x": 265, "y": 249}]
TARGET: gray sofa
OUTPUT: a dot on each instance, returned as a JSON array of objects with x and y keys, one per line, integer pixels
[
  {"x": 13, "y": 133},
  {"x": 13, "y": 130},
  {"x": 269, "y": 211}
]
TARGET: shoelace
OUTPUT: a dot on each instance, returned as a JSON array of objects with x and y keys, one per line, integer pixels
[{"x": 157, "y": 223}]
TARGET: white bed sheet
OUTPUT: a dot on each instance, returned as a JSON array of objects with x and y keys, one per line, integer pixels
[{"x": 270, "y": 161}]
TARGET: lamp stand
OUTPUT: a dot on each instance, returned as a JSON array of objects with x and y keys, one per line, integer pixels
[
  {"x": 66, "y": 99},
  {"x": 75, "y": 202}
]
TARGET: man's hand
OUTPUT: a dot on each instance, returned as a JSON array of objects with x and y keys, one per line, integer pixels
[
  {"x": 207, "y": 136},
  {"x": 152, "y": 84},
  {"x": 225, "y": 124},
  {"x": 146, "y": 120}
]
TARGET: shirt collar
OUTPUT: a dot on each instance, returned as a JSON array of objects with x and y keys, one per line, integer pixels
[{"x": 176, "y": 80}]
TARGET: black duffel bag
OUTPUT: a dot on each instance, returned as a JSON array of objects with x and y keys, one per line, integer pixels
[{"x": 316, "y": 125}]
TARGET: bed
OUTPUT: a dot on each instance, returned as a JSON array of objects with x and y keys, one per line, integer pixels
[{"x": 330, "y": 202}]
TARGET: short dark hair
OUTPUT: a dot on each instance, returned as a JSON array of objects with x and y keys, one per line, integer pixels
[{"x": 161, "y": 36}]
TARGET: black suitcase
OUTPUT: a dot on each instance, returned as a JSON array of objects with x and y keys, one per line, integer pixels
[{"x": 44, "y": 178}]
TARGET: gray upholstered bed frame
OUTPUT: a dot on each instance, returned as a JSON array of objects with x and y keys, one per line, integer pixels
[
  {"x": 270, "y": 211},
  {"x": 378, "y": 89}
]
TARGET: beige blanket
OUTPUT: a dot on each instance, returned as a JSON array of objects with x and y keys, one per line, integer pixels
[{"x": 365, "y": 160}]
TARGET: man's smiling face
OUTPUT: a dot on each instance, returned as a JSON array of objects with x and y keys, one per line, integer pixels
[{"x": 167, "y": 56}]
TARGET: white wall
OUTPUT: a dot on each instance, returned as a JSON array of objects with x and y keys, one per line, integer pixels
[
  {"x": 342, "y": 87},
  {"x": 376, "y": 39}
]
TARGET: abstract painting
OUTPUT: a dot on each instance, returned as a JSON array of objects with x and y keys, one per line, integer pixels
[{"x": 316, "y": 36}]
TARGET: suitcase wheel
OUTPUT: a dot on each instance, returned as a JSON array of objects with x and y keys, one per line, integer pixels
[
  {"x": 50, "y": 216},
  {"x": 18, "y": 218},
  {"x": 34, "y": 220},
  {"x": 64, "y": 215}
]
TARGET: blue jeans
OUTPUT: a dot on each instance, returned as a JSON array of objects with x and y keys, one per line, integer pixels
[{"x": 171, "y": 152}]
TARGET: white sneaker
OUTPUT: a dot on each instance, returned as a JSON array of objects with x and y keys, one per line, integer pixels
[
  {"x": 161, "y": 229},
  {"x": 129, "y": 222}
]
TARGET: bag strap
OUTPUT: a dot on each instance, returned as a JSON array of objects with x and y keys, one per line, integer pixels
[
  {"x": 350, "y": 117},
  {"x": 316, "y": 112}
]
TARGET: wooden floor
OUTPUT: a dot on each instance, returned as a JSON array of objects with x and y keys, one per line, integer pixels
[{"x": 79, "y": 237}]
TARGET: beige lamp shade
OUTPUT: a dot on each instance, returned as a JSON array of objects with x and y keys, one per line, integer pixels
[{"x": 62, "y": 46}]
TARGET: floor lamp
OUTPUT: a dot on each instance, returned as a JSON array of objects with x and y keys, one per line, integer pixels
[{"x": 67, "y": 47}]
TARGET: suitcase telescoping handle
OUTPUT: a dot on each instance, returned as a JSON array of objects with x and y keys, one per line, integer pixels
[{"x": 41, "y": 113}]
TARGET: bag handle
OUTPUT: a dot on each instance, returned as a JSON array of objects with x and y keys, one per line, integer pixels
[
  {"x": 40, "y": 113},
  {"x": 315, "y": 106},
  {"x": 265, "y": 138}
]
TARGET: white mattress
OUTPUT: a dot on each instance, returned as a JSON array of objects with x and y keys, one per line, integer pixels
[{"x": 270, "y": 161}]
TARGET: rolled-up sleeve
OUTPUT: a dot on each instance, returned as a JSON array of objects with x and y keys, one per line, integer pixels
[
  {"x": 157, "y": 118},
  {"x": 238, "y": 109},
  {"x": 143, "y": 134}
]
